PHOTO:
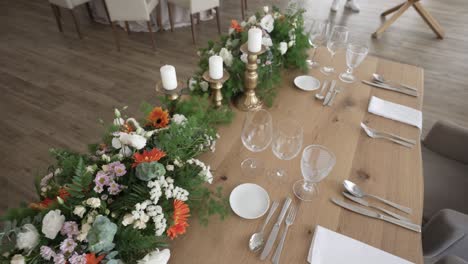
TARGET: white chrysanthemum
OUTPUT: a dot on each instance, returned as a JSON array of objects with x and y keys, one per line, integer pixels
[
  {"x": 227, "y": 56},
  {"x": 204, "y": 86},
  {"x": 179, "y": 119},
  {"x": 192, "y": 84}
]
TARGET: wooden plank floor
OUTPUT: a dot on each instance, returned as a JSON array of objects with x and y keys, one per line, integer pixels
[{"x": 54, "y": 87}]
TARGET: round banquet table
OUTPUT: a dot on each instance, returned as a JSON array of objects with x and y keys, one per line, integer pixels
[{"x": 181, "y": 17}]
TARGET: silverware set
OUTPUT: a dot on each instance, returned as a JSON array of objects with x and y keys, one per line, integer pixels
[
  {"x": 356, "y": 194},
  {"x": 373, "y": 133},
  {"x": 379, "y": 82},
  {"x": 328, "y": 95},
  {"x": 256, "y": 241}
]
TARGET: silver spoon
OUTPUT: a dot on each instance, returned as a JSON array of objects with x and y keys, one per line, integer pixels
[
  {"x": 379, "y": 78},
  {"x": 320, "y": 95},
  {"x": 256, "y": 240},
  {"x": 353, "y": 189}
]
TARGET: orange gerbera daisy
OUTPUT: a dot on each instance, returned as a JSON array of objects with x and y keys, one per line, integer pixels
[
  {"x": 147, "y": 156},
  {"x": 92, "y": 259},
  {"x": 158, "y": 118},
  {"x": 181, "y": 213},
  {"x": 235, "y": 25}
]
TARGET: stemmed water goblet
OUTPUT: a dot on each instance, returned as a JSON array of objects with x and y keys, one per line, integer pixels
[
  {"x": 316, "y": 163},
  {"x": 336, "y": 41},
  {"x": 287, "y": 143},
  {"x": 257, "y": 133},
  {"x": 355, "y": 54},
  {"x": 317, "y": 33}
]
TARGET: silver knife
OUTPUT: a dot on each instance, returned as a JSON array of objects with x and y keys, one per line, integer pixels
[
  {"x": 274, "y": 232},
  {"x": 329, "y": 94},
  {"x": 365, "y": 203},
  {"x": 366, "y": 212},
  {"x": 387, "y": 87},
  {"x": 335, "y": 93}
]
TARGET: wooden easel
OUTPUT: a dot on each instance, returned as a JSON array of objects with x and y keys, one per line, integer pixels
[{"x": 401, "y": 8}]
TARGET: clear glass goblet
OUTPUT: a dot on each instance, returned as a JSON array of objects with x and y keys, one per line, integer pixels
[
  {"x": 287, "y": 143},
  {"x": 318, "y": 33},
  {"x": 257, "y": 133},
  {"x": 336, "y": 41},
  {"x": 355, "y": 54},
  {"x": 316, "y": 163}
]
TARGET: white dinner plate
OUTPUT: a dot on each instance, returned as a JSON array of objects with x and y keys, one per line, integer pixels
[
  {"x": 307, "y": 83},
  {"x": 249, "y": 201}
]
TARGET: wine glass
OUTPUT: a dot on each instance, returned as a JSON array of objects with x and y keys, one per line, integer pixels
[
  {"x": 318, "y": 33},
  {"x": 355, "y": 54},
  {"x": 257, "y": 133},
  {"x": 287, "y": 143},
  {"x": 316, "y": 163},
  {"x": 336, "y": 41}
]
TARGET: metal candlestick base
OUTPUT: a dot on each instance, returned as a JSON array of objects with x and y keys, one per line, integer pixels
[
  {"x": 249, "y": 101},
  {"x": 171, "y": 95},
  {"x": 216, "y": 85}
]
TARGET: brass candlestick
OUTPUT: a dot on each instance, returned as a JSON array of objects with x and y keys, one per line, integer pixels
[
  {"x": 171, "y": 95},
  {"x": 249, "y": 101},
  {"x": 216, "y": 85}
]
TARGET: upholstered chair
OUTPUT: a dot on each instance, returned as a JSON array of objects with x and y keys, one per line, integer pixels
[
  {"x": 195, "y": 7},
  {"x": 445, "y": 239},
  {"x": 70, "y": 5},
  {"x": 131, "y": 10},
  {"x": 445, "y": 163}
]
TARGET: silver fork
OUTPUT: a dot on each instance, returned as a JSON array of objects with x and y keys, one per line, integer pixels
[
  {"x": 289, "y": 221},
  {"x": 394, "y": 138}
]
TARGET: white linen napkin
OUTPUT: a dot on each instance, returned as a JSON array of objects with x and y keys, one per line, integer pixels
[
  {"x": 329, "y": 247},
  {"x": 395, "y": 112}
]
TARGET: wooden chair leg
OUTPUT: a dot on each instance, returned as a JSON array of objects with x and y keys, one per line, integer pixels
[
  {"x": 90, "y": 12},
  {"x": 116, "y": 36},
  {"x": 159, "y": 16},
  {"x": 193, "y": 27},
  {"x": 217, "y": 20},
  {"x": 152, "y": 35},
  {"x": 392, "y": 10},
  {"x": 169, "y": 11},
  {"x": 430, "y": 20},
  {"x": 57, "y": 17},
  {"x": 107, "y": 11},
  {"x": 245, "y": 5},
  {"x": 77, "y": 24},
  {"x": 389, "y": 22},
  {"x": 127, "y": 27},
  {"x": 243, "y": 9}
]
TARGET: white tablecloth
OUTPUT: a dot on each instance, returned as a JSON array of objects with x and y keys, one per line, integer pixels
[{"x": 180, "y": 15}]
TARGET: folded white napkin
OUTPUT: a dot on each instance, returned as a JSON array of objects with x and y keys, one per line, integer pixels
[
  {"x": 395, "y": 112},
  {"x": 329, "y": 247}
]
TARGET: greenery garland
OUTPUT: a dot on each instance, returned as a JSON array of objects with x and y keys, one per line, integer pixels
[
  {"x": 122, "y": 201},
  {"x": 286, "y": 42}
]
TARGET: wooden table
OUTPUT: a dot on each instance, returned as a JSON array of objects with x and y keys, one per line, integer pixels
[{"x": 384, "y": 168}]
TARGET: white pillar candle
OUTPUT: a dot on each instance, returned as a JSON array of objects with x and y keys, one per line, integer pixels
[
  {"x": 168, "y": 77},
  {"x": 216, "y": 67},
  {"x": 255, "y": 40}
]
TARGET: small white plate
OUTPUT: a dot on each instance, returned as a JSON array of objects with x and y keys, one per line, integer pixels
[
  {"x": 249, "y": 201},
  {"x": 307, "y": 83}
]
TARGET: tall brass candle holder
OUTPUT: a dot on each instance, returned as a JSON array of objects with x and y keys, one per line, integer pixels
[
  {"x": 216, "y": 85},
  {"x": 171, "y": 95},
  {"x": 249, "y": 101}
]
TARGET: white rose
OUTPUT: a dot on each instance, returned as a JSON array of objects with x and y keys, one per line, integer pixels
[
  {"x": 169, "y": 167},
  {"x": 79, "y": 211},
  {"x": 267, "y": 23},
  {"x": 192, "y": 83},
  {"x": 227, "y": 56},
  {"x": 128, "y": 220},
  {"x": 204, "y": 86},
  {"x": 252, "y": 20},
  {"x": 156, "y": 257},
  {"x": 28, "y": 238},
  {"x": 52, "y": 223},
  {"x": 283, "y": 47},
  {"x": 93, "y": 202},
  {"x": 243, "y": 57},
  {"x": 133, "y": 140},
  {"x": 266, "y": 41},
  {"x": 19, "y": 259},
  {"x": 266, "y": 9}
]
